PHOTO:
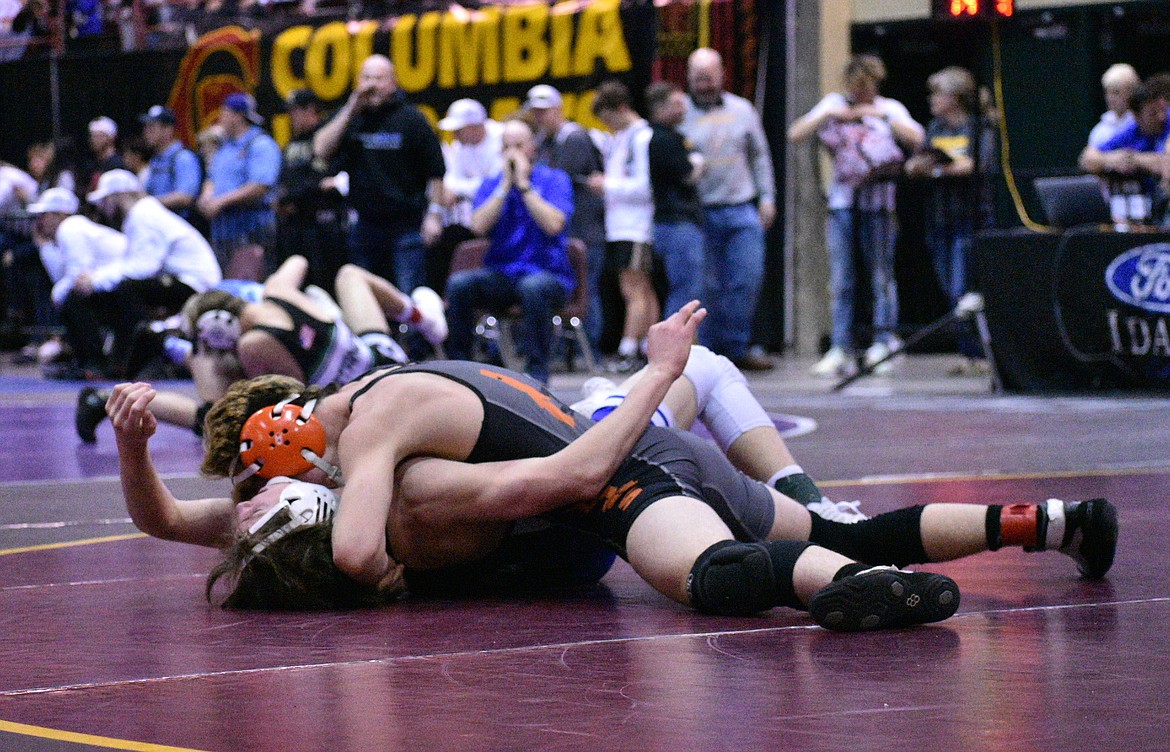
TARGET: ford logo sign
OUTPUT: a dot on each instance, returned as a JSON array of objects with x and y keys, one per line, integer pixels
[{"x": 1141, "y": 277}]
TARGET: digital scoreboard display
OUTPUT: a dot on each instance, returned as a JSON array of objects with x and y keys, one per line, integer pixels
[{"x": 959, "y": 9}]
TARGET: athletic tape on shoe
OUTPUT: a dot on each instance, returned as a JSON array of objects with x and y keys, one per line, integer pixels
[{"x": 300, "y": 505}]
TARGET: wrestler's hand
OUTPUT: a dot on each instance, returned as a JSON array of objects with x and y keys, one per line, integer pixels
[
  {"x": 668, "y": 343},
  {"x": 393, "y": 583},
  {"x": 127, "y": 407}
]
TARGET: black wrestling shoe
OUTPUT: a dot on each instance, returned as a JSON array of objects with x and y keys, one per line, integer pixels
[
  {"x": 1090, "y": 535},
  {"x": 884, "y": 598},
  {"x": 91, "y": 411}
]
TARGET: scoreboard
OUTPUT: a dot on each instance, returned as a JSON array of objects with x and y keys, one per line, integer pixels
[{"x": 958, "y": 9}]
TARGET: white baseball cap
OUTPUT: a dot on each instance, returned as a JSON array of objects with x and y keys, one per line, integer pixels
[
  {"x": 461, "y": 113},
  {"x": 542, "y": 97},
  {"x": 104, "y": 125},
  {"x": 114, "y": 181},
  {"x": 55, "y": 200}
]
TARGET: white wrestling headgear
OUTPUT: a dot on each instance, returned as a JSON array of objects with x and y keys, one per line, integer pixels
[
  {"x": 218, "y": 329},
  {"x": 300, "y": 505}
]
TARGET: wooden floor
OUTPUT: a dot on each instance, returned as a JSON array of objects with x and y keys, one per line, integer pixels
[{"x": 106, "y": 641}]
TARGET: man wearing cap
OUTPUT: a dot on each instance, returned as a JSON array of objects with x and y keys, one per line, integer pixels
[
  {"x": 310, "y": 212},
  {"x": 167, "y": 260},
  {"x": 475, "y": 152},
  {"x": 567, "y": 146},
  {"x": 395, "y": 165},
  {"x": 85, "y": 261},
  {"x": 739, "y": 205},
  {"x": 238, "y": 191},
  {"x": 175, "y": 173},
  {"x": 103, "y": 146}
]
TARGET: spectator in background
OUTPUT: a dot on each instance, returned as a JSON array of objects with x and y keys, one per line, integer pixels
[
  {"x": 1134, "y": 161},
  {"x": 167, "y": 260},
  {"x": 957, "y": 154},
  {"x": 524, "y": 210},
  {"x": 103, "y": 147},
  {"x": 475, "y": 152},
  {"x": 238, "y": 190},
  {"x": 739, "y": 205},
  {"x": 136, "y": 155},
  {"x": 866, "y": 134},
  {"x": 18, "y": 256},
  {"x": 85, "y": 260},
  {"x": 629, "y": 218},
  {"x": 175, "y": 176},
  {"x": 310, "y": 213},
  {"x": 395, "y": 165},
  {"x": 678, "y": 216},
  {"x": 53, "y": 164},
  {"x": 566, "y": 145},
  {"x": 1118, "y": 84}
]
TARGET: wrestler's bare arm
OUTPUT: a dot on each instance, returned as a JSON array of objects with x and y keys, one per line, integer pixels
[
  {"x": 438, "y": 492},
  {"x": 153, "y": 508}
]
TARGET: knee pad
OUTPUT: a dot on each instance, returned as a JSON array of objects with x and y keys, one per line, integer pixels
[
  {"x": 384, "y": 347},
  {"x": 893, "y": 538},
  {"x": 733, "y": 578},
  {"x": 725, "y": 404}
]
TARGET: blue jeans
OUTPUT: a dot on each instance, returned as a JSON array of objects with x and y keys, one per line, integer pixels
[
  {"x": 390, "y": 249},
  {"x": 680, "y": 246},
  {"x": 873, "y": 235},
  {"x": 488, "y": 289},
  {"x": 595, "y": 318},
  {"x": 950, "y": 250},
  {"x": 734, "y": 267}
]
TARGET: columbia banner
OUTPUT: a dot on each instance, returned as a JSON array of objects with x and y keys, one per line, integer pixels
[{"x": 494, "y": 54}]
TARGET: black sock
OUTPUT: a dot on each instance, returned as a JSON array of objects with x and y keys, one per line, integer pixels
[{"x": 799, "y": 487}]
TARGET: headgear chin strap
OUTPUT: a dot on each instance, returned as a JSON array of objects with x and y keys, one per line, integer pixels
[
  {"x": 286, "y": 440},
  {"x": 300, "y": 505},
  {"x": 218, "y": 329}
]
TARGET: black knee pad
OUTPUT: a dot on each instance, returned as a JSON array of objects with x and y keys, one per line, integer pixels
[
  {"x": 737, "y": 579},
  {"x": 891, "y": 538}
]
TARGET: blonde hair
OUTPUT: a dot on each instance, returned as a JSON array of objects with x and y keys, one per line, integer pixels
[
  {"x": 959, "y": 83},
  {"x": 870, "y": 66},
  {"x": 1120, "y": 74}
]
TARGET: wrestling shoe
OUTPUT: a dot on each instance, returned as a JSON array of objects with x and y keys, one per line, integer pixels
[
  {"x": 433, "y": 321},
  {"x": 838, "y": 511},
  {"x": 884, "y": 598},
  {"x": 1090, "y": 534},
  {"x": 91, "y": 411},
  {"x": 594, "y": 392}
]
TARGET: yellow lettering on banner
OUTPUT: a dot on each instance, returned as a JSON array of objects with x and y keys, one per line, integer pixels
[
  {"x": 284, "y": 80},
  {"x": 414, "y": 54},
  {"x": 599, "y": 35},
  {"x": 429, "y": 113},
  {"x": 525, "y": 51},
  {"x": 327, "y": 61},
  {"x": 281, "y": 129},
  {"x": 561, "y": 39},
  {"x": 470, "y": 45}
]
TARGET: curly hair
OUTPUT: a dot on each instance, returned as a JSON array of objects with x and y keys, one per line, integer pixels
[
  {"x": 212, "y": 300},
  {"x": 226, "y": 418},
  {"x": 296, "y": 573}
]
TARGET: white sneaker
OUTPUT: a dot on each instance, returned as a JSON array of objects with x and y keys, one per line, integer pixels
[
  {"x": 433, "y": 324},
  {"x": 879, "y": 350},
  {"x": 594, "y": 392},
  {"x": 838, "y": 511},
  {"x": 835, "y": 363}
]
